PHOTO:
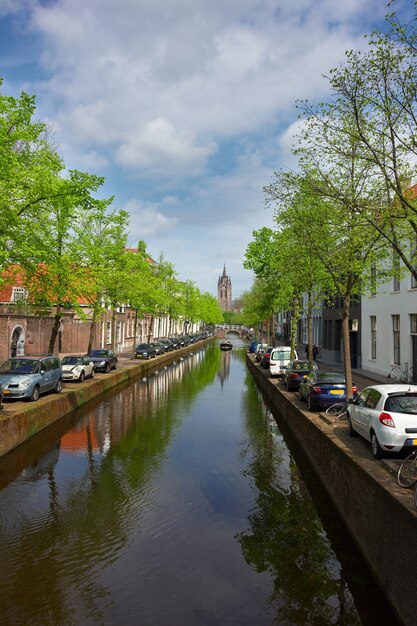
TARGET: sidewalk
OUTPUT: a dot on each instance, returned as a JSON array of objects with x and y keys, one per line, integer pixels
[{"x": 361, "y": 378}]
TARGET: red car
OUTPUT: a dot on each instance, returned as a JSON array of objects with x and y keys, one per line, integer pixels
[{"x": 265, "y": 357}]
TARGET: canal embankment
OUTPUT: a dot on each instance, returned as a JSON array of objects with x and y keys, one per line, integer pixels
[
  {"x": 19, "y": 421},
  {"x": 379, "y": 515}
]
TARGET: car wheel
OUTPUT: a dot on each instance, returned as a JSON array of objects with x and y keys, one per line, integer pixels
[
  {"x": 376, "y": 449},
  {"x": 81, "y": 377},
  {"x": 310, "y": 404},
  {"x": 107, "y": 370},
  {"x": 58, "y": 387},
  {"x": 351, "y": 430},
  {"x": 34, "y": 396}
]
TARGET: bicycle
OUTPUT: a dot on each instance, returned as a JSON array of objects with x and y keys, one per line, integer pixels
[
  {"x": 407, "y": 472},
  {"x": 337, "y": 410}
]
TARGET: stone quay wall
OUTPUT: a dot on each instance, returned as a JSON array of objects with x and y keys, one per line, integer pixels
[
  {"x": 379, "y": 515},
  {"x": 22, "y": 420}
]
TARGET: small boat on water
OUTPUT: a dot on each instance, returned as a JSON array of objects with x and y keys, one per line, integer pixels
[{"x": 226, "y": 345}]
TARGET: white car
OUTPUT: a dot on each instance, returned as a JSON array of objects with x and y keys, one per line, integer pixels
[
  {"x": 385, "y": 415},
  {"x": 77, "y": 368},
  {"x": 279, "y": 359}
]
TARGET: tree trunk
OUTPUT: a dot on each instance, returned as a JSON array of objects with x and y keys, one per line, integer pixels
[
  {"x": 92, "y": 334},
  {"x": 150, "y": 329},
  {"x": 113, "y": 327},
  {"x": 294, "y": 320},
  {"x": 135, "y": 334},
  {"x": 55, "y": 329},
  {"x": 346, "y": 345},
  {"x": 310, "y": 331}
]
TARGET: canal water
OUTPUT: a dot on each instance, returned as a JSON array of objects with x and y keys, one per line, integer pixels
[{"x": 175, "y": 500}]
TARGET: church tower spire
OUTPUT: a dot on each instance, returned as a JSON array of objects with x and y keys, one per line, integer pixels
[{"x": 224, "y": 291}]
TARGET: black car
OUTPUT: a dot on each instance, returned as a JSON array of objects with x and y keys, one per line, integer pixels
[
  {"x": 295, "y": 372},
  {"x": 176, "y": 344},
  {"x": 145, "y": 351},
  {"x": 168, "y": 344},
  {"x": 104, "y": 360},
  {"x": 159, "y": 347}
]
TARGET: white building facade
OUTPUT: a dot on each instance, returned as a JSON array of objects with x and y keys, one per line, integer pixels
[{"x": 389, "y": 327}]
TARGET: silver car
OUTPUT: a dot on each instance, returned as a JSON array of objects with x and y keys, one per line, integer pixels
[
  {"x": 385, "y": 415},
  {"x": 27, "y": 377}
]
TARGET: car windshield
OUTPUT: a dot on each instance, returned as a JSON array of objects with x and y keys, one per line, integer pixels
[
  {"x": 98, "y": 353},
  {"x": 402, "y": 403},
  {"x": 331, "y": 377},
  {"x": 20, "y": 366},
  {"x": 281, "y": 354},
  {"x": 142, "y": 346},
  {"x": 72, "y": 360}
]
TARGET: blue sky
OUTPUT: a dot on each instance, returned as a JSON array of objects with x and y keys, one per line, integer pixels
[{"x": 186, "y": 107}]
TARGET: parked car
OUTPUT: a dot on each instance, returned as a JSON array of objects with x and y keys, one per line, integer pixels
[
  {"x": 279, "y": 359},
  {"x": 252, "y": 347},
  {"x": 295, "y": 372},
  {"x": 260, "y": 352},
  {"x": 320, "y": 388},
  {"x": 184, "y": 341},
  {"x": 104, "y": 360},
  {"x": 145, "y": 351},
  {"x": 77, "y": 368},
  {"x": 385, "y": 415},
  {"x": 176, "y": 344},
  {"x": 27, "y": 377},
  {"x": 168, "y": 344},
  {"x": 265, "y": 356},
  {"x": 159, "y": 347}
]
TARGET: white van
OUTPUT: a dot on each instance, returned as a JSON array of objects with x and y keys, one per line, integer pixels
[{"x": 279, "y": 359}]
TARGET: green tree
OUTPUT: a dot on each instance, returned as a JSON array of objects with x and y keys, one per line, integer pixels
[
  {"x": 52, "y": 247},
  {"x": 376, "y": 92},
  {"x": 103, "y": 235},
  {"x": 29, "y": 167}
]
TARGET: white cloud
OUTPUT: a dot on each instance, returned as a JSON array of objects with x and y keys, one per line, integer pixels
[
  {"x": 147, "y": 221},
  {"x": 163, "y": 83},
  {"x": 159, "y": 144}
]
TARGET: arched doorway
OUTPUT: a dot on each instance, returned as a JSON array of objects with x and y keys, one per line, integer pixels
[{"x": 17, "y": 347}]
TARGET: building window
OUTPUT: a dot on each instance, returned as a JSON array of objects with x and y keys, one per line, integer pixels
[
  {"x": 396, "y": 271},
  {"x": 396, "y": 338},
  {"x": 19, "y": 293},
  {"x": 108, "y": 334},
  {"x": 119, "y": 331},
  {"x": 413, "y": 282},
  {"x": 373, "y": 336},
  {"x": 413, "y": 323}
]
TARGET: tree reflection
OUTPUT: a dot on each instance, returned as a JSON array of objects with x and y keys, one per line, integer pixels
[{"x": 285, "y": 536}]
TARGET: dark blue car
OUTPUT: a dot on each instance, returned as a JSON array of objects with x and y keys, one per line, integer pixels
[
  {"x": 252, "y": 347},
  {"x": 322, "y": 389}
]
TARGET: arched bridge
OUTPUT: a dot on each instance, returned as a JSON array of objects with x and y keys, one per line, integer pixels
[{"x": 228, "y": 330}]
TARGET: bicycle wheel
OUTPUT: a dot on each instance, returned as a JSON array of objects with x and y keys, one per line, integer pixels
[
  {"x": 336, "y": 409},
  {"x": 407, "y": 473}
]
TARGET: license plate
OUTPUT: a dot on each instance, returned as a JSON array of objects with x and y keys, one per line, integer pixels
[
  {"x": 412, "y": 442},
  {"x": 337, "y": 392}
]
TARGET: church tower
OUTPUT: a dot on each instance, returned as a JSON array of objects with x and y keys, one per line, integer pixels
[{"x": 224, "y": 291}]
